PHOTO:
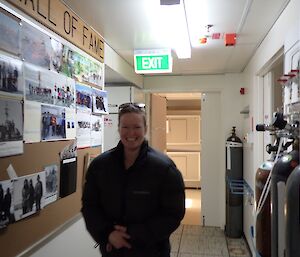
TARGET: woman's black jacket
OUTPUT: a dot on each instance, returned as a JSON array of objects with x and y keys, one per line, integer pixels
[{"x": 148, "y": 199}]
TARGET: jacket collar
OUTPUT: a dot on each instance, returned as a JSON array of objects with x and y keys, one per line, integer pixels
[{"x": 119, "y": 152}]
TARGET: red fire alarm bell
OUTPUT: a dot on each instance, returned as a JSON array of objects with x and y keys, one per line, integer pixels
[{"x": 230, "y": 39}]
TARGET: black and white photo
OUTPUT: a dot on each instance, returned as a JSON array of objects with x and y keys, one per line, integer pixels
[
  {"x": 28, "y": 194},
  {"x": 11, "y": 127},
  {"x": 51, "y": 178},
  {"x": 6, "y": 203},
  {"x": 83, "y": 129},
  {"x": 96, "y": 130},
  {"x": 10, "y": 76}
]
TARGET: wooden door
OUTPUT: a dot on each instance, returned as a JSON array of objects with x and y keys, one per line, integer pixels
[
  {"x": 183, "y": 130},
  {"x": 212, "y": 164},
  {"x": 158, "y": 114}
]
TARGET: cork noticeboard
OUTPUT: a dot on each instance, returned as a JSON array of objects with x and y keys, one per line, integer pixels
[{"x": 21, "y": 235}]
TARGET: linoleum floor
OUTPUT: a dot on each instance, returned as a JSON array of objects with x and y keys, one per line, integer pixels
[{"x": 191, "y": 239}]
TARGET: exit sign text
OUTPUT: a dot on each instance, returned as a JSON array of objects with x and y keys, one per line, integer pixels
[{"x": 153, "y": 63}]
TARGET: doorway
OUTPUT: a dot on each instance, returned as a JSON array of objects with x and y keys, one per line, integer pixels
[
  {"x": 181, "y": 142},
  {"x": 271, "y": 99},
  {"x": 212, "y": 181}
]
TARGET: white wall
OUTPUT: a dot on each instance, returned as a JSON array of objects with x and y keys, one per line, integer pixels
[
  {"x": 272, "y": 44},
  {"x": 231, "y": 103},
  {"x": 120, "y": 66}
]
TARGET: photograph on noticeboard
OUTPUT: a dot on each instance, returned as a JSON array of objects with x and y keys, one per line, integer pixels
[
  {"x": 74, "y": 65},
  {"x": 70, "y": 123},
  {"x": 48, "y": 87},
  {"x": 81, "y": 67},
  {"x": 51, "y": 178},
  {"x": 35, "y": 46},
  {"x": 10, "y": 76},
  {"x": 96, "y": 130},
  {"x": 6, "y": 203},
  {"x": 32, "y": 122},
  {"x": 67, "y": 62},
  {"x": 28, "y": 195},
  {"x": 35, "y": 90},
  {"x": 62, "y": 88},
  {"x": 10, "y": 33},
  {"x": 100, "y": 103},
  {"x": 11, "y": 127},
  {"x": 69, "y": 151},
  {"x": 83, "y": 97},
  {"x": 53, "y": 123},
  {"x": 70, "y": 93},
  {"x": 96, "y": 70},
  {"x": 83, "y": 129},
  {"x": 56, "y": 55}
]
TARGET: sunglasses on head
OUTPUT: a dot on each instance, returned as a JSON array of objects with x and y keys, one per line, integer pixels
[{"x": 132, "y": 105}]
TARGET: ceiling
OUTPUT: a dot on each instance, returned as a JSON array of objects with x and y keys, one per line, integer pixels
[{"x": 128, "y": 24}]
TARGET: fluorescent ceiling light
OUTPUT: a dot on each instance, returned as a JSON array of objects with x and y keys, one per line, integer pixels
[
  {"x": 177, "y": 25},
  {"x": 170, "y": 25}
]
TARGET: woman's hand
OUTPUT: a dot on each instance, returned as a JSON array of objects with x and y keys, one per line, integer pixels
[{"x": 118, "y": 238}]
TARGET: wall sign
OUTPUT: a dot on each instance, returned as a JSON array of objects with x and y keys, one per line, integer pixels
[
  {"x": 153, "y": 61},
  {"x": 59, "y": 18}
]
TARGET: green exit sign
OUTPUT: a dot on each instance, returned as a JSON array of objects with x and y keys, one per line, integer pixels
[{"x": 153, "y": 61}]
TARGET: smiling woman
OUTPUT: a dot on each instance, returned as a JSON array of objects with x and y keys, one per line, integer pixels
[
  {"x": 134, "y": 196},
  {"x": 132, "y": 129}
]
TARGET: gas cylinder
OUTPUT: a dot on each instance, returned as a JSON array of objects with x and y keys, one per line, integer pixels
[
  {"x": 263, "y": 219},
  {"x": 280, "y": 173},
  {"x": 292, "y": 235},
  {"x": 234, "y": 172}
]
